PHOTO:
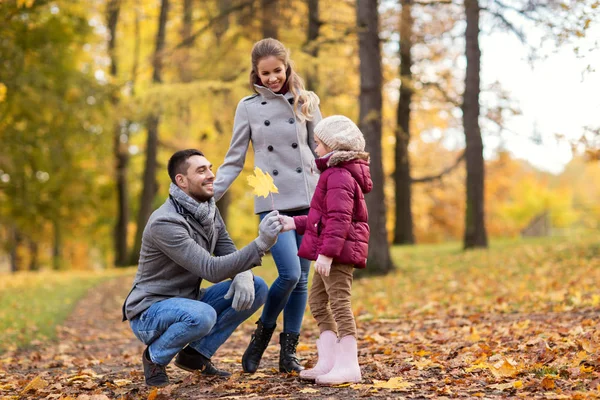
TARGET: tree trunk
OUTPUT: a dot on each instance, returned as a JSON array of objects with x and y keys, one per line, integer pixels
[
  {"x": 312, "y": 34},
  {"x": 403, "y": 229},
  {"x": 222, "y": 27},
  {"x": 185, "y": 74},
  {"x": 16, "y": 239},
  {"x": 120, "y": 145},
  {"x": 379, "y": 261},
  {"x": 150, "y": 186},
  {"x": 475, "y": 234},
  {"x": 56, "y": 247},
  {"x": 269, "y": 17},
  {"x": 223, "y": 206},
  {"x": 34, "y": 264}
]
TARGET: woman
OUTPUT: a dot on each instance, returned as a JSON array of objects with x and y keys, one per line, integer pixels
[{"x": 279, "y": 120}]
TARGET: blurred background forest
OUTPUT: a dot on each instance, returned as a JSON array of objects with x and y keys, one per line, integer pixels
[{"x": 96, "y": 95}]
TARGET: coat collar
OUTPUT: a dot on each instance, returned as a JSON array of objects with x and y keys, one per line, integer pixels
[
  {"x": 338, "y": 157},
  {"x": 268, "y": 93}
]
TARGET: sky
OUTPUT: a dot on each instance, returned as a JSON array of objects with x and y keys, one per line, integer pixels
[{"x": 555, "y": 95}]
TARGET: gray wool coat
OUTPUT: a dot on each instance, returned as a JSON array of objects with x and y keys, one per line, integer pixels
[
  {"x": 283, "y": 147},
  {"x": 176, "y": 255}
]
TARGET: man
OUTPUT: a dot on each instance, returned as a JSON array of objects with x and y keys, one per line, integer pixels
[{"x": 184, "y": 242}]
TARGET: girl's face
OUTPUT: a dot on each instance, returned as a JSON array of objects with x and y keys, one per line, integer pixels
[
  {"x": 321, "y": 148},
  {"x": 271, "y": 72}
]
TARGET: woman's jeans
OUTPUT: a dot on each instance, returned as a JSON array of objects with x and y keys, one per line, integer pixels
[
  {"x": 289, "y": 292},
  {"x": 169, "y": 325}
]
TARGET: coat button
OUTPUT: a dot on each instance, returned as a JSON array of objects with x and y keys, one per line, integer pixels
[
  {"x": 298, "y": 170},
  {"x": 275, "y": 172},
  {"x": 294, "y": 145},
  {"x": 270, "y": 148},
  {"x": 263, "y": 102},
  {"x": 267, "y": 122},
  {"x": 291, "y": 120}
]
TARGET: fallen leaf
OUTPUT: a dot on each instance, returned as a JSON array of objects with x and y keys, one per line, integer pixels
[
  {"x": 37, "y": 383},
  {"x": 503, "y": 369},
  {"x": 121, "y": 382},
  {"x": 153, "y": 393},
  {"x": 392, "y": 383},
  {"x": 309, "y": 390},
  {"x": 548, "y": 383}
]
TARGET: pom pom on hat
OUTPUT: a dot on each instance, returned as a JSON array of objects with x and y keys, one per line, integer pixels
[{"x": 340, "y": 133}]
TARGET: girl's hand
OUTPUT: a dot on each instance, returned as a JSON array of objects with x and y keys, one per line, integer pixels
[
  {"x": 287, "y": 223},
  {"x": 323, "y": 265}
]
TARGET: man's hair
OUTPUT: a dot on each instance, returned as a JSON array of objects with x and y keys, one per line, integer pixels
[{"x": 178, "y": 162}]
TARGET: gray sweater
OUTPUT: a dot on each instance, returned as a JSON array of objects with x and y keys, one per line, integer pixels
[
  {"x": 176, "y": 256},
  {"x": 283, "y": 147}
]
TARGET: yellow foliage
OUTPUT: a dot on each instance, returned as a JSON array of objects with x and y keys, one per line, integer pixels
[{"x": 2, "y": 92}]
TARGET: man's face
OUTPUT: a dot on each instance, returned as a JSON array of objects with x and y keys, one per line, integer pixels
[{"x": 198, "y": 179}]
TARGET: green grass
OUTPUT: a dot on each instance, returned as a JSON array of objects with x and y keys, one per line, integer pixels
[{"x": 33, "y": 304}]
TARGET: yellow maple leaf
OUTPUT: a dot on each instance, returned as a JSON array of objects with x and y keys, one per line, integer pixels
[
  {"x": 504, "y": 369},
  {"x": 262, "y": 183},
  {"x": 393, "y": 383},
  {"x": 2, "y": 92},
  {"x": 37, "y": 383}
]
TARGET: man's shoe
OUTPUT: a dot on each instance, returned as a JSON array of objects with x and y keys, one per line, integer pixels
[
  {"x": 258, "y": 344},
  {"x": 155, "y": 374},
  {"x": 190, "y": 360},
  {"x": 288, "y": 361}
]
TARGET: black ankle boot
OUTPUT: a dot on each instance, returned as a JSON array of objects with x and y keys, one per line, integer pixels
[
  {"x": 190, "y": 360},
  {"x": 288, "y": 361},
  {"x": 258, "y": 343}
]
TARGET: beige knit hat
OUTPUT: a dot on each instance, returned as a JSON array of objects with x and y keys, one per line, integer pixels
[{"x": 340, "y": 133}]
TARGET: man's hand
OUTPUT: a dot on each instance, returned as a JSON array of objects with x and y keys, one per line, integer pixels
[
  {"x": 287, "y": 223},
  {"x": 268, "y": 230},
  {"x": 323, "y": 265},
  {"x": 242, "y": 290}
]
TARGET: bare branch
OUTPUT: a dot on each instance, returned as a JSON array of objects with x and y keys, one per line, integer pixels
[
  {"x": 441, "y": 174},
  {"x": 508, "y": 24},
  {"x": 442, "y": 91}
]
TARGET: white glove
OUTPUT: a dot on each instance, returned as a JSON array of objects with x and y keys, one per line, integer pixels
[
  {"x": 242, "y": 290},
  {"x": 287, "y": 223},
  {"x": 323, "y": 265}
]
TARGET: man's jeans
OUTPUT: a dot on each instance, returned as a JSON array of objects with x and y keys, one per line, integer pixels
[
  {"x": 169, "y": 325},
  {"x": 289, "y": 292}
]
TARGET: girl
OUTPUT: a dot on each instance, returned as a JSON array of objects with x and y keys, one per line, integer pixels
[
  {"x": 279, "y": 120},
  {"x": 336, "y": 236}
]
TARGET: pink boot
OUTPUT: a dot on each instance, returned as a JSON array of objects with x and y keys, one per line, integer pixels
[
  {"x": 346, "y": 368},
  {"x": 326, "y": 353}
]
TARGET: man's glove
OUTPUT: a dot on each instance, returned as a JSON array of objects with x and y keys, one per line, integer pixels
[
  {"x": 287, "y": 223},
  {"x": 268, "y": 230},
  {"x": 323, "y": 265},
  {"x": 242, "y": 290}
]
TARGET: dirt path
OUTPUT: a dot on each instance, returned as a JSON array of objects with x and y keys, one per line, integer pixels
[{"x": 434, "y": 355}]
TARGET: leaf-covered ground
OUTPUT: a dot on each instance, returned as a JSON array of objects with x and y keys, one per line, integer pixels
[{"x": 517, "y": 321}]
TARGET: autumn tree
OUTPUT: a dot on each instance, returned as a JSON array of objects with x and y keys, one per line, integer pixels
[
  {"x": 150, "y": 186},
  {"x": 370, "y": 101}
]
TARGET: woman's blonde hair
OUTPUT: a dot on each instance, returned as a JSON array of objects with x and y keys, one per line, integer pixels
[{"x": 307, "y": 100}]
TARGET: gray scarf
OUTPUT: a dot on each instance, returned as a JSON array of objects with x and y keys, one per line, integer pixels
[{"x": 203, "y": 212}]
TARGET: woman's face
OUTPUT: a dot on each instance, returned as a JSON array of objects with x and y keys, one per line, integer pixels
[{"x": 271, "y": 73}]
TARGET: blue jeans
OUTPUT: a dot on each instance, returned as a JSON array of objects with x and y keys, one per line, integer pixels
[
  {"x": 289, "y": 292},
  {"x": 169, "y": 325}
]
